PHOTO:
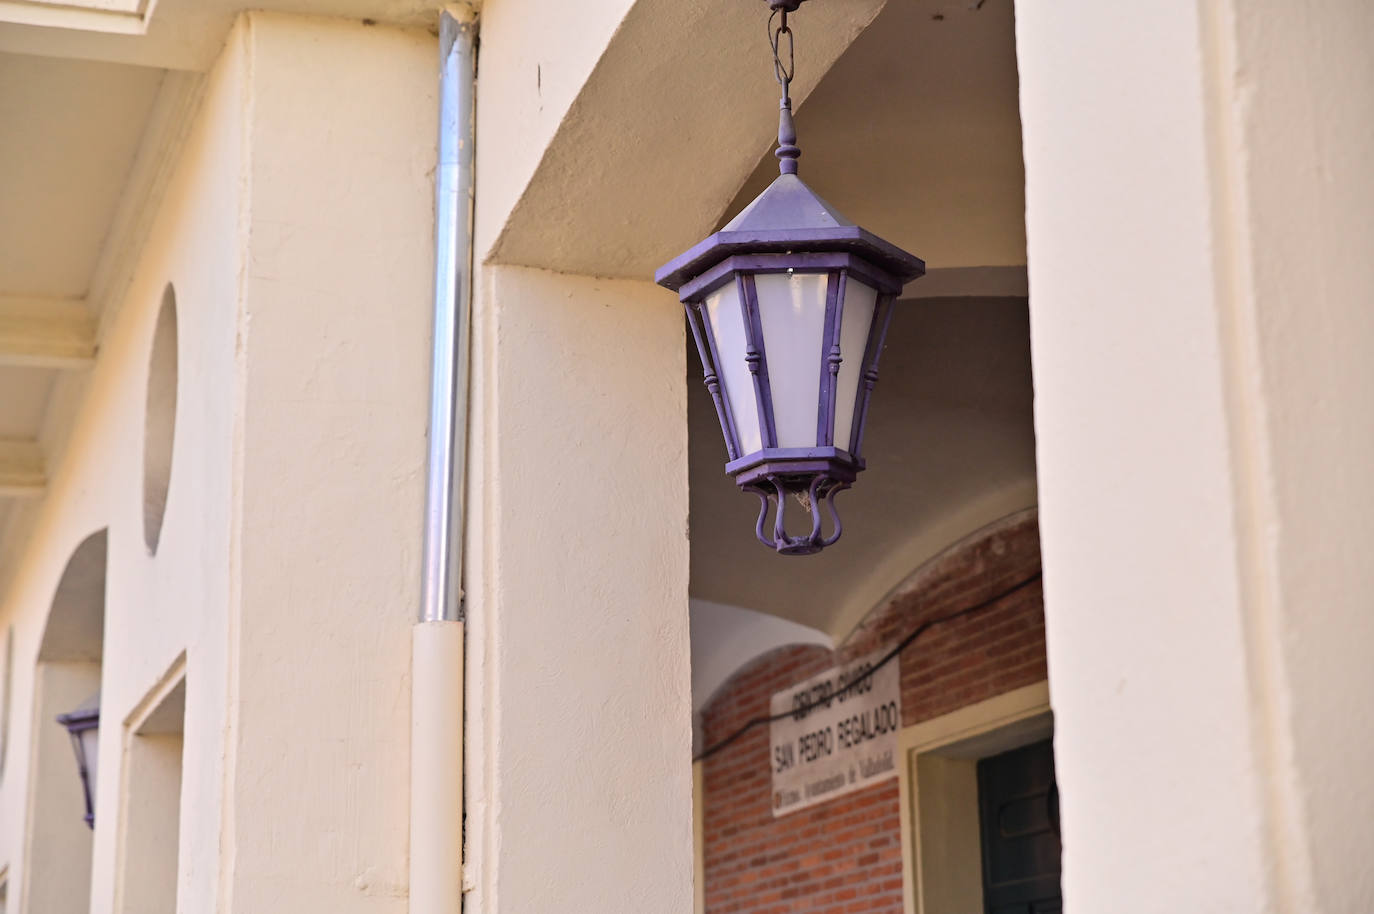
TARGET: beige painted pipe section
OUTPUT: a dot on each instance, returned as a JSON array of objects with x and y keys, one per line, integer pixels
[{"x": 436, "y": 769}]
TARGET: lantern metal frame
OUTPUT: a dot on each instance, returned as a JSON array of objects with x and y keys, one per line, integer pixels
[
  {"x": 789, "y": 229},
  {"x": 84, "y": 718},
  {"x": 738, "y": 254}
]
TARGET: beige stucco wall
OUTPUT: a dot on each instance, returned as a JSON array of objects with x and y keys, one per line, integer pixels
[
  {"x": 296, "y": 231},
  {"x": 1197, "y": 212},
  {"x": 578, "y": 728},
  {"x": 298, "y": 234},
  {"x": 332, "y": 408},
  {"x": 155, "y": 608},
  {"x": 1299, "y": 92},
  {"x": 1199, "y": 216}
]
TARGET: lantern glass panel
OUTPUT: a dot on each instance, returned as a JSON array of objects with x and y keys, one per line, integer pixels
[
  {"x": 90, "y": 739},
  {"x": 860, "y": 301},
  {"x": 726, "y": 320},
  {"x": 792, "y": 313}
]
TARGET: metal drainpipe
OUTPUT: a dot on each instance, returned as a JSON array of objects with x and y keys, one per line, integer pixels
[{"x": 436, "y": 720}]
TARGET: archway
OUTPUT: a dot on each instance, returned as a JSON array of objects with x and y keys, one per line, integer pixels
[{"x": 59, "y": 843}]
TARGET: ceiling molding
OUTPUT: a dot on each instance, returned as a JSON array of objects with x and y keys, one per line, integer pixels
[
  {"x": 178, "y": 100},
  {"x": 169, "y": 124},
  {"x": 128, "y": 17},
  {"x": 21, "y": 469},
  {"x": 171, "y": 34},
  {"x": 46, "y": 333}
]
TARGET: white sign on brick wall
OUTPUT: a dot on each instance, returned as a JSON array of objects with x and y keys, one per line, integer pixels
[{"x": 835, "y": 740}]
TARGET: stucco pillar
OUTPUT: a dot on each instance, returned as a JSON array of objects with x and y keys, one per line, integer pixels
[
  {"x": 579, "y": 784},
  {"x": 333, "y": 349},
  {"x": 1199, "y": 220}
]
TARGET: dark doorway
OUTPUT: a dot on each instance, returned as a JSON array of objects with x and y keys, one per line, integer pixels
[{"x": 1018, "y": 806}]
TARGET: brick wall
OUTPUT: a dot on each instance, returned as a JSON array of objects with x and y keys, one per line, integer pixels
[{"x": 845, "y": 855}]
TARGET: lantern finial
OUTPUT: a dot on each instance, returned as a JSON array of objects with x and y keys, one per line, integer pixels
[{"x": 788, "y": 151}]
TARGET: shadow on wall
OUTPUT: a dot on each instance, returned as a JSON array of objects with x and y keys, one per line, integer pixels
[{"x": 160, "y": 419}]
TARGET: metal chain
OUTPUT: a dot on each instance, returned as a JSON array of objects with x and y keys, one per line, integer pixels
[{"x": 783, "y": 73}]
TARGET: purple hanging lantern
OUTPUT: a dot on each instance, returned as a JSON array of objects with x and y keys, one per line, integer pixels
[
  {"x": 789, "y": 305},
  {"x": 83, "y": 725}
]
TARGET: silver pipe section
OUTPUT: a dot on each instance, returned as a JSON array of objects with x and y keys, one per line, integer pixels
[
  {"x": 436, "y": 710},
  {"x": 441, "y": 592}
]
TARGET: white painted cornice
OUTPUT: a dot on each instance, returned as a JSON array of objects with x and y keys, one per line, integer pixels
[
  {"x": 21, "y": 469},
  {"x": 119, "y": 17},
  {"x": 46, "y": 333},
  {"x": 170, "y": 34}
]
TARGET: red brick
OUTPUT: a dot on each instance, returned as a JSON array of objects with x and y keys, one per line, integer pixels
[{"x": 845, "y": 855}]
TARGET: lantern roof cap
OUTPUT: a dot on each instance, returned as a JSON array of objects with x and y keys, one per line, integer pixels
[
  {"x": 83, "y": 716},
  {"x": 788, "y": 217},
  {"x": 790, "y": 202}
]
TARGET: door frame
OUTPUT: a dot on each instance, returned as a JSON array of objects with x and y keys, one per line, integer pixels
[{"x": 940, "y": 826}]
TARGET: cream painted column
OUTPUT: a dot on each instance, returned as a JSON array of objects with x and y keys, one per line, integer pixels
[
  {"x": 579, "y": 783},
  {"x": 337, "y": 224},
  {"x": 1199, "y": 213}
]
